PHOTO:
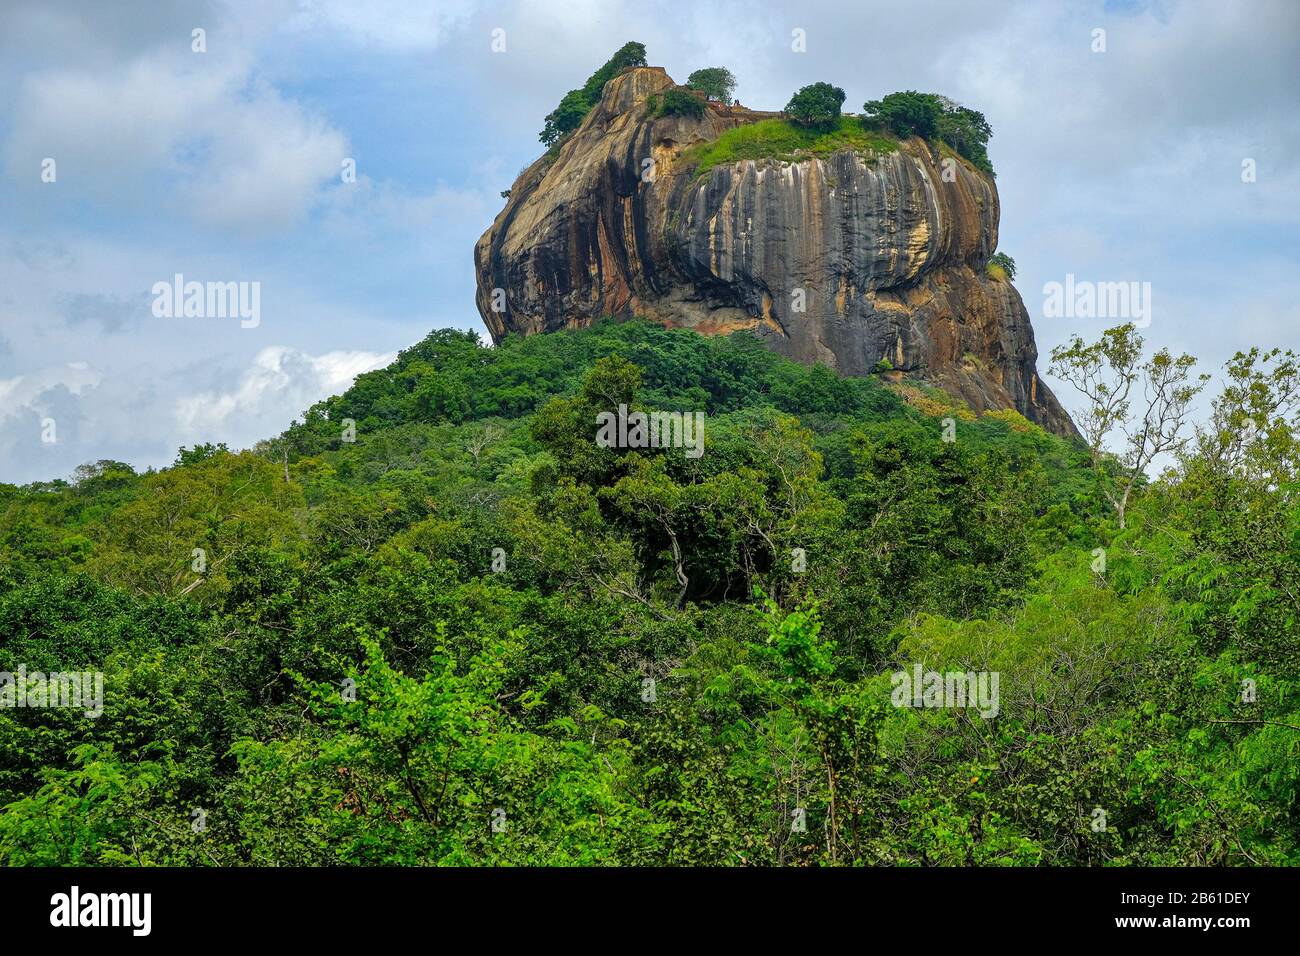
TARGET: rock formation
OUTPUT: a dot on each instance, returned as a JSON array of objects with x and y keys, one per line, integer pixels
[{"x": 847, "y": 259}]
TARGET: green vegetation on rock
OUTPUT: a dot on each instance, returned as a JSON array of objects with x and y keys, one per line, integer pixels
[
  {"x": 675, "y": 101},
  {"x": 936, "y": 118},
  {"x": 1002, "y": 267},
  {"x": 816, "y": 105},
  {"x": 777, "y": 139},
  {"x": 576, "y": 104}
]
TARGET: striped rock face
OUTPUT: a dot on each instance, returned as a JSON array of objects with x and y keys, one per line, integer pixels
[{"x": 846, "y": 259}]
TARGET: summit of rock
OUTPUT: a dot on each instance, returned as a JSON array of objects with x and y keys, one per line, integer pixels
[{"x": 860, "y": 258}]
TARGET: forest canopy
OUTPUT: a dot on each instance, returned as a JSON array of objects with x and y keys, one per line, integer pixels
[{"x": 435, "y": 622}]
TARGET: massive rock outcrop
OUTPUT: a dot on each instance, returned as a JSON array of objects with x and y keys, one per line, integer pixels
[{"x": 847, "y": 259}]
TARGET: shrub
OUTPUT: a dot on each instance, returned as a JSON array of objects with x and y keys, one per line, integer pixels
[
  {"x": 1002, "y": 263},
  {"x": 676, "y": 101}
]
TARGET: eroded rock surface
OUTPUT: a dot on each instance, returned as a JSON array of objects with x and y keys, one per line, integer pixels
[{"x": 846, "y": 260}]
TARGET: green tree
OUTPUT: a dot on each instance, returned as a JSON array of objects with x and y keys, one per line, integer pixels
[
  {"x": 476, "y": 608},
  {"x": 933, "y": 117},
  {"x": 906, "y": 114},
  {"x": 715, "y": 82},
  {"x": 966, "y": 131},
  {"x": 817, "y": 105},
  {"x": 566, "y": 117},
  {"x": 1144, "y": 404},
  {"x": 199, "y": 453}
]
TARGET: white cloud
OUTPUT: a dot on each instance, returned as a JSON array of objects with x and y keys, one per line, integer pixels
[
  {"x": 267, "y": 161},
  {"x": 121, "y": 414},
  {"x": 178, "y": 131},
  {"x": 24, "y": 393},
  {"x": 280, "y": 384}
]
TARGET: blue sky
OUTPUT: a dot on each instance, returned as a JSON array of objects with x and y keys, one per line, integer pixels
[{"x": 224, "y": 166}]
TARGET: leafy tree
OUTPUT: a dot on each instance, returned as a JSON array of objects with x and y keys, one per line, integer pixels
[
  {"x": 1254, "y": 428},
  {"x": 933, "y": 117},
  {"x": 199, "y": 453},
  {"x": 566, "y": 117},
  {"x": 1106, "y": 373},
  {"x": 906, "y": 114},
  {"x": 817, "y": 105},
  {"x": 178, "y": 535},
  {"x": 715, "y": 82}
]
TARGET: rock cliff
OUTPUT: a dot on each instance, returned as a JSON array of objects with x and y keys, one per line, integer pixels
[{"x": 848, "y": 259}]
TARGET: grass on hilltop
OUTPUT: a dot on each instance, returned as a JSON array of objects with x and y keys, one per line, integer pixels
[{"x": 785, "y": 141}]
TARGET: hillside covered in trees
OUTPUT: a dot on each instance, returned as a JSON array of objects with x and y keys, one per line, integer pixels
[{"x": 436, "y": 622}]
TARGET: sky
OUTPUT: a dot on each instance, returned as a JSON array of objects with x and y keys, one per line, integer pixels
[{"x": 228, "y": 164}]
